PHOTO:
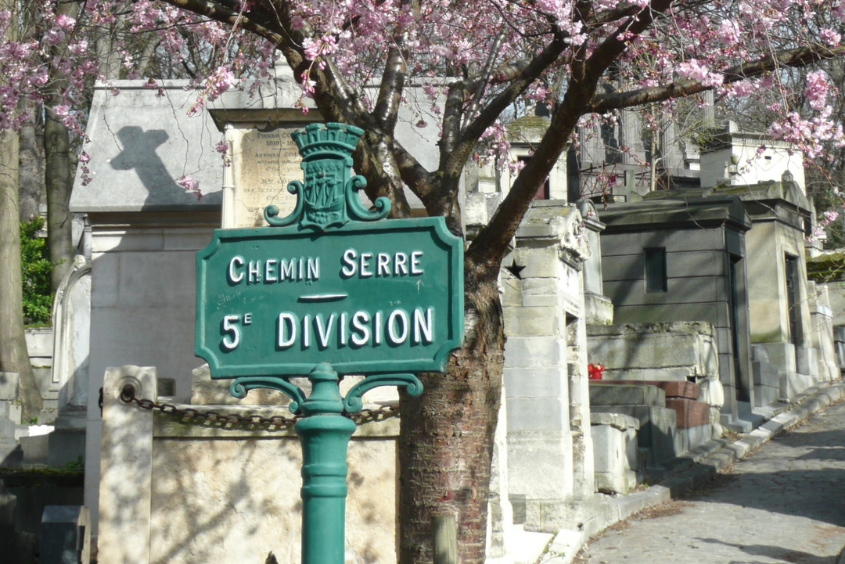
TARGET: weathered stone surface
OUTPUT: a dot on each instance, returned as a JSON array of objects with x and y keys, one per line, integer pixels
[
  {"x": 616, "y": 420},
  {"x": 9, "y": 386},
  {"x": 598, "y": 309},
  {"x": 611, "y": 394},
  {"x": 65, "y": 535},
  {"x": 672, "y": 389},
  {"x": 614, "y": 454},
  {"x": 264, "y": 162},
  {"x": 712, "y": 393},
  {"x": 657, "y": 428},
  {"x": 654, "y": 351},
  {"x": 236, "y": 501},
  {"x": 143, "y": 143},
  {"x": 806, "y": 360},
  {"x": 126, "y": 464},
  {"x": 690, "y": 413},
  {"x": 205, "y": 391}
]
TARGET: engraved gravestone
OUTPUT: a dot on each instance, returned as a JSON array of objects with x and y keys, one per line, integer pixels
[{"x": 266, "y": 162}]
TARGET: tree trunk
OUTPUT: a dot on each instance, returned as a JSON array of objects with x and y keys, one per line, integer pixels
[
  {"x": 446, "y": 435},
  {"x": 31, "y": 174},
  {"x": 58, "y": 172},
  {"x": 14, "y": 356}
]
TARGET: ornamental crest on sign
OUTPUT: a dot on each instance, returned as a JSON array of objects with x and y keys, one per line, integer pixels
[{"x": 329, "y": 196}]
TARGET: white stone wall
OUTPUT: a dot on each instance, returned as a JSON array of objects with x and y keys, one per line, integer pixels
[
  {"x": 177, "y": 494},
  {"x": 740, "y": 164}
]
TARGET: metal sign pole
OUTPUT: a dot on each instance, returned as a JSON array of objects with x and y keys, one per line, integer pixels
[{"x": 324, "y": 434}]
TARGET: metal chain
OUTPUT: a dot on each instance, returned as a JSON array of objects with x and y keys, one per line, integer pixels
[{"x": 208, "y": 418}]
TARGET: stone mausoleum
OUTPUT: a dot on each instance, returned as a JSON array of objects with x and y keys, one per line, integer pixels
[{"x": 676, "y": 259}]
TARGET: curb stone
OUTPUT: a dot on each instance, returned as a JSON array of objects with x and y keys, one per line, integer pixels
[{"x": 700, "y": 469}]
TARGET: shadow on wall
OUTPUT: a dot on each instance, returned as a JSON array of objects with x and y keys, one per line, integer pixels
[{"x": 139, "y": 153}]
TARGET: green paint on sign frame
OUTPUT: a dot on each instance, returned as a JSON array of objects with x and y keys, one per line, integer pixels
[{"x": 369, "y": 298}]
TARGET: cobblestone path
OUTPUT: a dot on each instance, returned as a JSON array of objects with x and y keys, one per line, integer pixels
[{"x": 784, "y": 503}]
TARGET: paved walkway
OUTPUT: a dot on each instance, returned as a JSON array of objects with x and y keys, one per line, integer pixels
[{"x": 784, "y": 503}]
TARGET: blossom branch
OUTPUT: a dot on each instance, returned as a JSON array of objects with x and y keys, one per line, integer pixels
[{"x": 790, "y": 58}]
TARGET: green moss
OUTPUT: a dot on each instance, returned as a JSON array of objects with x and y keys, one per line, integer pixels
[
  {"x": 775, "y": 336},
  {"x": 826, "y": 268},
  {"x": 42, "y": 477}
]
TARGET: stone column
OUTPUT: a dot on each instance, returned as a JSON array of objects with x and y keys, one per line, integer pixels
[
  {"x": 598, "y": 309},
  {"x": 228, "y": 206},
  {"x": 126, "y": 467},
  {"x": 670, "y": 145},
  {"x": 821, "y": 331},
  {"x": 499, "y": 509},
  {"x": 630, "y": 136},
  {"x": 549, "y": 446}
]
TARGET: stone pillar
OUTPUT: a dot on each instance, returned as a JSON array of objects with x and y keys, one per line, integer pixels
[
  {"x": 630, "y": 133},
  {"x": 499, "y": 509},
  {"x": 71, "y": 351},
  {"x": 549, "y": 446},
  {"x": 126, "y": 468},
  {"x": 670, "y": 145},
  {"x": 598, "y": 309},
  {"x": 821, "y": 331},
  {"x": 228, "y": 205}
]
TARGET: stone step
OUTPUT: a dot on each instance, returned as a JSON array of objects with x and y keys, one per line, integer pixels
[
  {"x": 690, "y": 413},
  {"x": 625, "y": 394}
]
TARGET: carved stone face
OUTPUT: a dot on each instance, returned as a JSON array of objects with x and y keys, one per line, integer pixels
[{"x": 324, "y": 192}]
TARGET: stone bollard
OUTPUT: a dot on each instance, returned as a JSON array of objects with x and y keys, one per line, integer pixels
[{"x": 126, "y": 467}]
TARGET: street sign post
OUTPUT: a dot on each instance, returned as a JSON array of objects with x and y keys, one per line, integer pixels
[{"x": 328, "y": 290}]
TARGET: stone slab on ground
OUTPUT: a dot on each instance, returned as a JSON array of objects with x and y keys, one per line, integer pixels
[{"x": 527, "y": 546}]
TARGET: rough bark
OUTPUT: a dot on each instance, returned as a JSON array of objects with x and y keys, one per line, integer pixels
[
  {"x": 446, "y": 437},
  {"x": 58, "y": 173},
  {"x": 14, "y": 356},
  {"x": 31, "y": 175}
]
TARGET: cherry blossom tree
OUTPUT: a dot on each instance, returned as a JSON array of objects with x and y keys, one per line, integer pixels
[
  {"x": 481, "y": 58},
  {"x": 51, "y": 53}
]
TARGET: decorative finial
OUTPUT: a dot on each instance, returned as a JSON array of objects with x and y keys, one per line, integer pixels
[{"x": 328, "y": 198}]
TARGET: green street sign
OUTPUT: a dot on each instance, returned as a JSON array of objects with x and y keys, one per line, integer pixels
[
  {"x": 330, "y": 284},
  {"x": 369, "y": 299}
]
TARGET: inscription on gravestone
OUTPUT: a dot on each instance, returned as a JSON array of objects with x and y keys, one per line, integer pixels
[{"x": 268, "y": 161}]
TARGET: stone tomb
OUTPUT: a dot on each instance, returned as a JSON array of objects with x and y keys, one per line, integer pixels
[
  {"x": 673, "y": 257},
  {"x": 264, "y": 164},
  {"x": 785, "y": 356},
  {"x": 550, "y": 451}
]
